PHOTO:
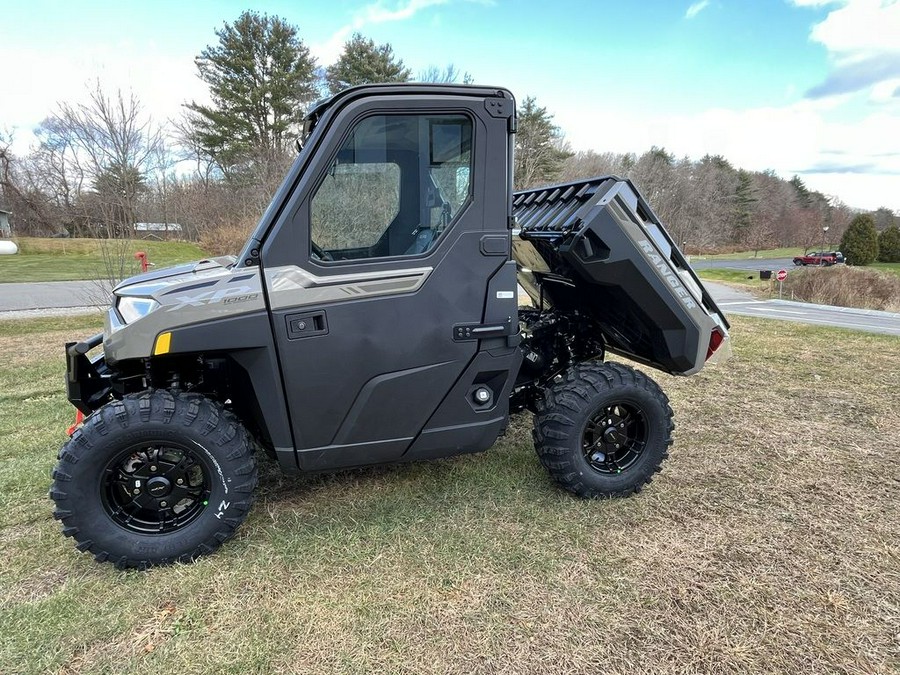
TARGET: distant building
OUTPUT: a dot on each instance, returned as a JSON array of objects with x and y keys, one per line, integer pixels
[
  {"x": 157, "y": 230},
  {"x": 5, "y": 230}
]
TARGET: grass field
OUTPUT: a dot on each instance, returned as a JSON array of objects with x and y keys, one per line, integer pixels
[
  {"x": 769, "y": 543},
  {"x": 768, "y": 253},
  {"x": 741, "y": 277},
  {"x": 893, "y": 268},
  {"x": 67, "y": 259}
]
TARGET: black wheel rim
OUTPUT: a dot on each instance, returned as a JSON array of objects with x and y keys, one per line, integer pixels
[
  {"x": 156, "y": 488},
  {"x": 615, "y": 437}
]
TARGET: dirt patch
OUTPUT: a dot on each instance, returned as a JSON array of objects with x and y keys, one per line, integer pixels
[
  {"x": 139, "y": 643},
  {"x": 41, "y": 584}
]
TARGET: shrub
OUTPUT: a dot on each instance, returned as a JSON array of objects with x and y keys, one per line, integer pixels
[
  {"x": 226, "y": 239},
  {"x": 846, "y": 287},
  {"x": 860, "y": 242},
  {"x": 889, "y": 245}
]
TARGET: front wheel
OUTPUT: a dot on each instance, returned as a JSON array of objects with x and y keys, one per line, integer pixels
[
  {"x": 603, "y": 430},
  {"x": 155, "y": 478}
]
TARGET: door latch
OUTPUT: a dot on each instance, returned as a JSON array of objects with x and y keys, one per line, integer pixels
[
  {"x": 462, "y": 332},
  {"x": 306, "y": 325}
]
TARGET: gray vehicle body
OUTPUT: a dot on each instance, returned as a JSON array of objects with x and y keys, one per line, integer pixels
[{"x": 337, "y": 362}]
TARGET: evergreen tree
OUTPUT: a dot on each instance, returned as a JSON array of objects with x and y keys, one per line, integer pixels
[
  {"x": 744, "y": 200},
  {"x": 889, "y": 245},
  {"x": 803, "y": 194},
  {"x": 539, "y": 146},
  {"x": 364, "y": 62},
  {"x": 261, "y": 77},
  {"x": 860, "y": 242}
]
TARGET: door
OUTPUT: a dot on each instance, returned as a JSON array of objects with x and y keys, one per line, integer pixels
[{"x": 393, "y": 248}]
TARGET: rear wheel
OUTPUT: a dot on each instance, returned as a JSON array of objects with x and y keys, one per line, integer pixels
[
  {"x": 603, "y": 430},
  {"x": 155, "y": 478}
]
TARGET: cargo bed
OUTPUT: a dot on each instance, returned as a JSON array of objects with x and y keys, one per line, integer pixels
[{"x": 596, "y": 246}]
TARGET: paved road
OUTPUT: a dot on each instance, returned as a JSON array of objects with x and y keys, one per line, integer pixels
[
  {"x": 52, "y": 295},
  {"x": 733, "y": 301},
  {"x": 58, "y": 297}
]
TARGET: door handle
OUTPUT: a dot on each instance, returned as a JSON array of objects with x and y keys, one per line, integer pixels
[
  {"x": 463, "y": 332},
  {"x": 306, "y": 324}
]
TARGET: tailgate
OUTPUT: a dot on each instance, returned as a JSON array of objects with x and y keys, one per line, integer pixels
[{"x": 596, "y": 246}]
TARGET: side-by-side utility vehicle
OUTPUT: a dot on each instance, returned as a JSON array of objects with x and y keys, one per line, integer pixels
[{"x": 373, "y": 316}]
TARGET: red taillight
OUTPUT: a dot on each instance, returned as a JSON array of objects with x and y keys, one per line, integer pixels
[{"x": 715, "y": 341}]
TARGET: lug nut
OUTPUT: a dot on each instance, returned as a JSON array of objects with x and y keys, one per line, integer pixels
[
  {"x": 136, "y": 491},
  {"x": 179, "y": 481},
  {"x": 162, "y": 504}
]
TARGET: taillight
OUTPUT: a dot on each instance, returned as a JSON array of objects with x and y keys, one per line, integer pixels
[{"x": 715, "y": 341}]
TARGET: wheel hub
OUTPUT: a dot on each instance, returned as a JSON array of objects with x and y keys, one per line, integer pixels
[
  {"x": 159, "y": 486},
  {"x": 156, "y": 489},
  {"x": 614, "y": 437}
]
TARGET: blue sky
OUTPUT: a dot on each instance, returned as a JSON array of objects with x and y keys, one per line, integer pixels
[{"x": 797, "y": 86}]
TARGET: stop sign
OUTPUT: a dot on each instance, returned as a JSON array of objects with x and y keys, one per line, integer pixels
[{"x": 782, "y": 275}]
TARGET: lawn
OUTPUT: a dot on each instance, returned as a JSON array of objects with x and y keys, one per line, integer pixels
[
  {"x": 768, "y": 253},
  {"x": 67, "y": 259},
  {"x": 740, "y": 277},
  {"x": 893, "y": 268},
  {"x": 769, "y": 543}
]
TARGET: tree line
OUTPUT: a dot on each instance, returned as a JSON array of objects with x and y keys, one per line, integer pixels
[{"x": 99, "y": 166}]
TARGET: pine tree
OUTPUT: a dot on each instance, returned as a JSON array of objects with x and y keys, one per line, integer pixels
[
  {"x": 744, "y": 199},
  {"x": 261, "y": 77},
  {"x": 889, "y": 245},
  {"x": 860, "y": 242},
  {"x": 539, "y": 146},
  {"x": 803, "y": 194},
  {"x": 364, "y": 62}
]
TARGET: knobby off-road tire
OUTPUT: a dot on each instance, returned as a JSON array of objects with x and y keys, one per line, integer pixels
[
  {"x": 603, "y": 430},
  {"x": 155, "y": 478}
]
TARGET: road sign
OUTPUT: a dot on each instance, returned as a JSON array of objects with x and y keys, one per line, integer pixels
[{"x": 782, "y": 275}]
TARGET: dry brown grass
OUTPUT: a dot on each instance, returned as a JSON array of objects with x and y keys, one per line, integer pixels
[
  {"x": 226, "y": 239},
  {"x": 769, "y": 543},
  {"x": 846, "y": 287}
]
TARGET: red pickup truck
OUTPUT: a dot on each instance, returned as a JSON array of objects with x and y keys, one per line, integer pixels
[{"x": 820, "y": 258}]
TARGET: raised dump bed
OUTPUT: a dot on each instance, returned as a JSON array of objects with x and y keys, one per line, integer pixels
[{"x": 596, "y": 246}]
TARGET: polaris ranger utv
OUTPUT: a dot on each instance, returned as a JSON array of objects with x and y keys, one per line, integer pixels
[{"x": 373, "y": 317}]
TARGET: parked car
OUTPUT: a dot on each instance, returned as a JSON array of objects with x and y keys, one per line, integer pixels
[{"x": 820, "y": 258}]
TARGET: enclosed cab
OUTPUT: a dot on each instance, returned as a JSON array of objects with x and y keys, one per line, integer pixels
[{"x": 373, "y": 316}]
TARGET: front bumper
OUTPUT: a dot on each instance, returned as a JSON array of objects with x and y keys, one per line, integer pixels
[{"x": 88, "y": 381}]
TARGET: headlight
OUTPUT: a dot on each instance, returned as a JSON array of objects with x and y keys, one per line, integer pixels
[{"x": 131, "y": 309}]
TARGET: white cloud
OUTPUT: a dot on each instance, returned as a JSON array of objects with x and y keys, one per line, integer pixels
[
  {"x": 857, "y": 161},
  {"x": 860, "y": 28},
  {"x": 373, "y": 14},
  {"x": 863, "y": 42},
  {"x": 696, "y": 8},
  {"x": 887, "y": 91},
  {"x": 162, "y": 80}
]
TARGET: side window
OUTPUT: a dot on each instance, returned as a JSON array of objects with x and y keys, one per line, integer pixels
[{"x": 395, "y": 185}]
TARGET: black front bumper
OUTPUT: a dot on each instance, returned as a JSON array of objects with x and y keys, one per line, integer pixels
[{"x": 88, "y": 381}]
